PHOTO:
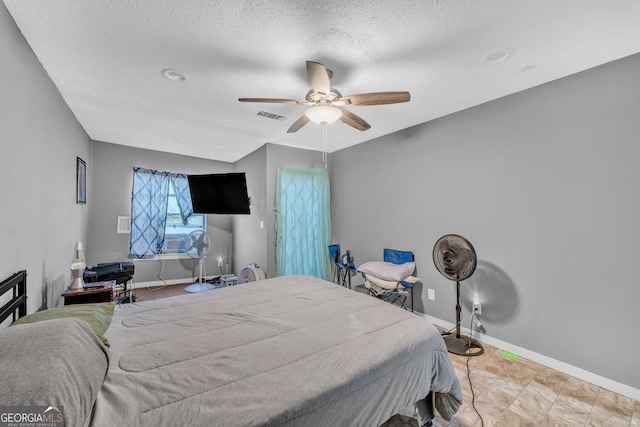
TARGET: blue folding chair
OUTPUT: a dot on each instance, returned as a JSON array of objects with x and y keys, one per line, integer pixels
[
  {"x": 343, "y": 264},
  {"x": 403, "y": 288}
]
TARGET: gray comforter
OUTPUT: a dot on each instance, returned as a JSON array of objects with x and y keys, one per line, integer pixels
[{"x": 289, "y": 351}]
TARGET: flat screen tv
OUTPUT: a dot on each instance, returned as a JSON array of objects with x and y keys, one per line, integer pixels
[{"x": 224, "y": 193}]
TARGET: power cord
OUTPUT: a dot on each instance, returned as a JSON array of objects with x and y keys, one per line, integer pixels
[
  {"x": 450, "y": 331},
  {"x": 473, "y": 395},
  {"x": 157, "y": 288}
]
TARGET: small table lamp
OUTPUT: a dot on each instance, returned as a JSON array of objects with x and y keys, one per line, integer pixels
[{"x": 77, "y": 268}]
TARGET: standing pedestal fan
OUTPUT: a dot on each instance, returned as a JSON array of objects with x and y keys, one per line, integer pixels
[
  {"x": 455, "y": 258},
  {"x": 197, "y": 247}
]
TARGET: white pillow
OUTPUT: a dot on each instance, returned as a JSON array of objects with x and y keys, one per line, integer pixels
[
  {"x": 388, "y": 271},
  {"x": 385, "y": 284}
]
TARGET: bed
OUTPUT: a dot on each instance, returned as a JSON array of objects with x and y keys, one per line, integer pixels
[{"x": 288, "y": 351}]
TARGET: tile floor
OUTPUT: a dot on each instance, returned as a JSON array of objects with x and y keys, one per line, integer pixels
[
  {"x": 519, "y": 392},
  {"x": 513, "y": 392}
]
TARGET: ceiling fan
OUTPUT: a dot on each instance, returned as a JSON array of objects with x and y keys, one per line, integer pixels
[{"x": 327, "y": 102}]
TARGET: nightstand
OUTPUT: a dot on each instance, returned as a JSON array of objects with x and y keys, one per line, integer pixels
[{"x": 94, "y": 292}]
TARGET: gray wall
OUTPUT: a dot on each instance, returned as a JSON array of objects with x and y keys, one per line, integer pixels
[
  {"x": 112, "y": 175},
  {"x": 250, "y": 241},
  {"x": 40, "y": 138},
  {"x": 544, "y": 184},
  {"x": 253, "y": 244}
]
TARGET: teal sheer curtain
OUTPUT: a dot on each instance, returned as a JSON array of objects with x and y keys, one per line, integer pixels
[{"x": 303, "y": 222}]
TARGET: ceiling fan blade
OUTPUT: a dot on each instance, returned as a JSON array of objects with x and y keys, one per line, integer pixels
[
  {"x": 272, "y": 100},
  {"x": 379, "y": 98},
  {"x": 353, "y": 120},
  {"x": 318, "y": 77},
  {"x": 303, "y": 120}
]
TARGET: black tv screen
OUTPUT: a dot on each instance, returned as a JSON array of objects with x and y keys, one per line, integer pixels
[{"x": 224, "y": 193}]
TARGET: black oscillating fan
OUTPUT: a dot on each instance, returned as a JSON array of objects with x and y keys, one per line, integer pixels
[{"x": 455, "y": 258}]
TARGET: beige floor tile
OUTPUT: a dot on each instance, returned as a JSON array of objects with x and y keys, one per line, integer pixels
[
  {"x": 508, "y": 386},
  {"x": 551, "y": 378},
  {"x": 458, "y": 362},
  {"x": 635, "y": 419},
  {"x": 481, "y": 380},
  {"x": 495, "y": 401},
  {"x": 600, "y": 417},
  {"x": 614, "y": 402},
  {"x": 570, "y": 410},
  {"x": 513, "y": 419},
  {"x": 551, "y": 421},
  {"x": 531, "y": 405},
  {"x": 467, "y": 395},
  {"x": 530, "y": 364},
  {"x": 466, "y": 418},
  {"x": 542, "y": 390},
  {"x": 580, "y": 390},
  {"x": 493, "y": 363},
  {"x": 521, "y": 373}
]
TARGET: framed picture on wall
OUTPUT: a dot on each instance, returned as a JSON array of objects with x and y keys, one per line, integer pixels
[{"x": 81, "y": 181}]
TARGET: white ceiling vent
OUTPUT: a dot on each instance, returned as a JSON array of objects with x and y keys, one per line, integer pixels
[{"x": 269, "y": 115}]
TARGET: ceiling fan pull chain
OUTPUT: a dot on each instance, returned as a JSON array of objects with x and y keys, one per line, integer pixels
[{"x": 324, "y": 144}]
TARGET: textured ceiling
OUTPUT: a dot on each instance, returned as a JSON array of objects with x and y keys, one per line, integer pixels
[{"x": 106, "y": 58}]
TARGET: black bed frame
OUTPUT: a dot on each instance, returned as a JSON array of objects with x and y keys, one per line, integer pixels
[{"x": 17, "y": 283}]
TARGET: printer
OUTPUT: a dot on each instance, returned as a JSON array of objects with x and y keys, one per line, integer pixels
[{"x": 121, "y": 272}]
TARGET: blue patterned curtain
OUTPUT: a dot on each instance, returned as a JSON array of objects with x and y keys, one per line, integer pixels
[
  {"x": 303, "y": 222},
  {"x": 149, "y": 209},
  {"x": 180, "y": 184}
]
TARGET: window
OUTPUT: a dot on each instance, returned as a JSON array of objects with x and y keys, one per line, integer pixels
[
  {"x": 161, "y": 213},
  {"x": 175, "y": 231}
]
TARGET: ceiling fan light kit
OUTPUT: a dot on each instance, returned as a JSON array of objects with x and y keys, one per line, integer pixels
[{"x": 323, "y": 114}]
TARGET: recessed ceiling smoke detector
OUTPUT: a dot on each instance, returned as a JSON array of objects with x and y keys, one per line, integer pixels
[
  {"x": 498, "y": 56},
  {"x": 174, "y": 75}
]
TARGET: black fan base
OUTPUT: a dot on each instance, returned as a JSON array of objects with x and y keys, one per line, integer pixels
[{"x": 464, "y": 346}]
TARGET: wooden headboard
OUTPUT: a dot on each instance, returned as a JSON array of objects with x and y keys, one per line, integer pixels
[{"x": 17, "y": 283}]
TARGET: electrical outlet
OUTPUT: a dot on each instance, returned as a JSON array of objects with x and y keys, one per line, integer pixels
[
  {"x": 477, "y": 307},
  {"x": 431, "y": 294},
  {"x": 220, "y": 261}
]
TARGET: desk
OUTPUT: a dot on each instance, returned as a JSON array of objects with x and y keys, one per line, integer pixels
[{"x": 85, "y": 296}]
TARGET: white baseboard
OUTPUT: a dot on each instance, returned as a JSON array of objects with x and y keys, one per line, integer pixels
[{"x": 574, "y": 371}]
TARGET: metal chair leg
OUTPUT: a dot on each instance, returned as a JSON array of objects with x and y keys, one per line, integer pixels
[{"x": 412, "y": 300}]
